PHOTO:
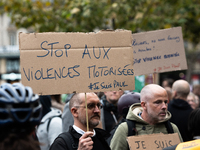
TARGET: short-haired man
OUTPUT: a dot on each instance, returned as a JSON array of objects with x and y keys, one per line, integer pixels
[
  {"x": 149, "y": 116},
  {"x": 180, "y": 108},
  {"x": 78, "y": 137}
]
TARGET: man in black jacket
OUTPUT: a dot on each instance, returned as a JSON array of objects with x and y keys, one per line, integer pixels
[
  {"x": 109, "y": 112},
  {"x": 180, "y": 108},
  {"x": 193, "y": 127},
  {"x": 78, "y": 137}
]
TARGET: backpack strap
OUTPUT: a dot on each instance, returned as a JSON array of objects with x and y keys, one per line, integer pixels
[
  {"x": 168, "y": 125},
  {"x": 69, "y": 141},
  {"x": 49, "y": 121},
  {"x": 131, "y": 127}
]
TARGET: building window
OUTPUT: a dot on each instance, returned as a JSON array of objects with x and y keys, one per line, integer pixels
[
  {"x": 12, "y": 65},
  {"x": 12, "y": 38}
]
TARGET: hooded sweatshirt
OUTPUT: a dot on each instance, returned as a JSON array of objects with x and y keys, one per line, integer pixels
[
  {"x": 119, "y": 140},
  {"x": 180, "y": 110}
]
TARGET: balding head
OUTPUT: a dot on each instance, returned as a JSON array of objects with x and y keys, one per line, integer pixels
[
  {"x": 180, "y": 89},
  {"x": 75, "y": 100},
  {"x": 149, "y": 91},
  {"x": 154, "y": 103}
]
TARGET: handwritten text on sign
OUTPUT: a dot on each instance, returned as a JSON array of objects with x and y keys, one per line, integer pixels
[
  {"x": 159, "y": 51},
  {"x": 69, "y": 67},
  {"x": 153, "y": 141}
]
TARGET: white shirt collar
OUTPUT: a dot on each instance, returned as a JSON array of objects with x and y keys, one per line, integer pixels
[{"x": 80, "y": 131}]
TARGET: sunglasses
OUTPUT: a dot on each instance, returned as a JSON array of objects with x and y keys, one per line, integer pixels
[{"x": 92, "y": 106}]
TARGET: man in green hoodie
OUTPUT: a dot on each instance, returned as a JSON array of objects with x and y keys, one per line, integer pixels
[{"x": 149, "y": 116}]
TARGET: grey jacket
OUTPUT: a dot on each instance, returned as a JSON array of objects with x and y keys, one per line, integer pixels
[{"x": 67, "y": 118}]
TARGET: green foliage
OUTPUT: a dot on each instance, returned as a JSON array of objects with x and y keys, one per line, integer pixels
[
  {"x": 59, "y": 15},
  {"x": 87, "y": 15}
]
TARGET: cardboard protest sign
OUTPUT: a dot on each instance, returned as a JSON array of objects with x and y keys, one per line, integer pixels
[
  {"x": 57, "y": 63},
  {"x": 153, "y": 141},
  {"x": 159, "y": 51}
]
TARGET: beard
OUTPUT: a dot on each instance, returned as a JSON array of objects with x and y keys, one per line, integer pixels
[
  {"x": 92, "y": 123},
  {"x": 156, "y": 117}
]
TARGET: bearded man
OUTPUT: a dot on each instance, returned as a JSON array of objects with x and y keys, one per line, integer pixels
[{"x": 78, "y": 137}]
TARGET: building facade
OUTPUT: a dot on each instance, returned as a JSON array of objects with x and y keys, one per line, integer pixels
[{"x": 9, "y": 50}]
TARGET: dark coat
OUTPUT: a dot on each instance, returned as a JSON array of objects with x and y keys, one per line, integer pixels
[
  {"x": 108, "y": 121},
  {"x": 171, "y": 147},
  {"x": 180, "y": 110},
  {"x": 71, "y": 144}
]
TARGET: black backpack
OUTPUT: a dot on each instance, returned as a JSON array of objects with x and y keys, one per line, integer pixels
[
  {"x": 132, "y": 129},
  {"x": 69, "y": 141}
]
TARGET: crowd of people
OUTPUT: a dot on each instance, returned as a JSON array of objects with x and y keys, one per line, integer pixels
[{"x": 29, "y": 121}]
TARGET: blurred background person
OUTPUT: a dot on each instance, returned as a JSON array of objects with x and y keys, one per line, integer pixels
[
  {"x": 167, "y": 85},
  {"x": 193, "y": 127},
  {"x": 196, "y": 89},
  {"x": 193, "y": 100},
  {"x": 56, "y": 102},
  {"x": 109, "y": 112},
  {"x": 67, "y": 118},
  {"x": 169, "y": 93},
  {"x": 125, "y": 101},
  {"x": 167, "y": 82},
  {"x": 51, "y": 124},
  {"x": 180, "y": 108},
  {"x": 20, "y": 112},
  {"x": 197, "y": 100}
]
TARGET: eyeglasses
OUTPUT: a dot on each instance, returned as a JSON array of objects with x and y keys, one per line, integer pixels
[{"x": 92, "y": 106}]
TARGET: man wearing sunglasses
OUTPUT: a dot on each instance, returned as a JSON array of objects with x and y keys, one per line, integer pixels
[{"x": 78, "y": 137}]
